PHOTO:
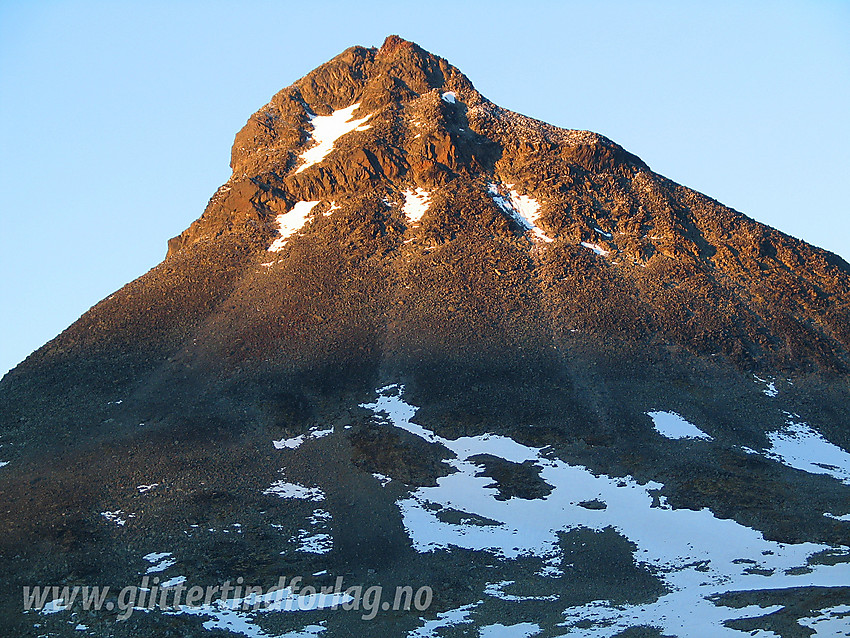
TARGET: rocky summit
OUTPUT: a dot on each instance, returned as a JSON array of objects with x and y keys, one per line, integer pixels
[{"x": 428, "y": 367}]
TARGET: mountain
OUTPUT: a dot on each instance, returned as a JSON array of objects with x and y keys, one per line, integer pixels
[{"x": 419, "y": 339}]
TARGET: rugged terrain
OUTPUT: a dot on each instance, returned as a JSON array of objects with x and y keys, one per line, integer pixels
[{"x": 475, "y": 334}]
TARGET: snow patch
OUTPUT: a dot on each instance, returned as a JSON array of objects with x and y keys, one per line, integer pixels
[
  {"x": 599, "y": 250},
  {"x": 314, "y": 543},
  {"x": 327, "y": 129},
  {"x": 297, "y": 441},
  {"x": 290, "y": 223},
  {"x": 230, "y": 615},
  {"x": 830, "y": 623},
  {"x": 449, "y": 96},
  {"x": 146, "y": 488},
  {"x": 54, "y": 606},
  {"x": 333, "y": 207},
  {"x": 770, "y": 386},
  {"x": 800, "y": 446},
  {"x": 843, "y": 517},
  {"x": 416, "y": 204},
  {"x": 119, "y": 517},
  {"x": 154, "y": 557},
  {"x": 320, "y": 516},
  {"x": 293, "y": 490},
  {"x": 495, "y": 590},
  {"x": 291, "y": 444},
  {"x": 673, "y": 426},
  {"x": 524, "y": 210},
  {"x": 521, "y": 630},
  {"x": 444, "y": 620},
  {"x": 172, "y": 582},
  {"x": 161, "y": 561}
]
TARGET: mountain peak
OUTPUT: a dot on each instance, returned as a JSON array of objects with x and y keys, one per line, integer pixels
[
  {"x": 416, "y": 333},
  {"x": 394, "y": 43},
  {"x": 609, "y": 246}
]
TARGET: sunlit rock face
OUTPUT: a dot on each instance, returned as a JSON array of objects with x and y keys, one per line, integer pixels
[{"x": 419, "y": 339}]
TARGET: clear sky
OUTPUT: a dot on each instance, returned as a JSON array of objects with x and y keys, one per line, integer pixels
[{"x": 116, "y": 118}]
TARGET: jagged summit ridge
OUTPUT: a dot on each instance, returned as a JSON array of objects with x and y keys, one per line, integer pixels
[{"x": 428, "y": 124}]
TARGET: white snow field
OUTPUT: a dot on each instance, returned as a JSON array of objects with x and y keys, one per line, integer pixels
[
  {"x": 673, "y": 426},
  {"x": 327, "y": 129},
  {"x": 694, "y": 553},
  {"x": 416, "y": 204},
  {"x": 291, "y": 222},
  {"x": 524, "y": 209},
  {"x": 800, "y": 446}
]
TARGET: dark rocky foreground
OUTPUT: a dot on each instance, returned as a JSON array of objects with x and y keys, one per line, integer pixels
[{"x": 554, "y": 295}]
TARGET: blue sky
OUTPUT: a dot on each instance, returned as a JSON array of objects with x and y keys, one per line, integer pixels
[{"x": 116, "y": 118}]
